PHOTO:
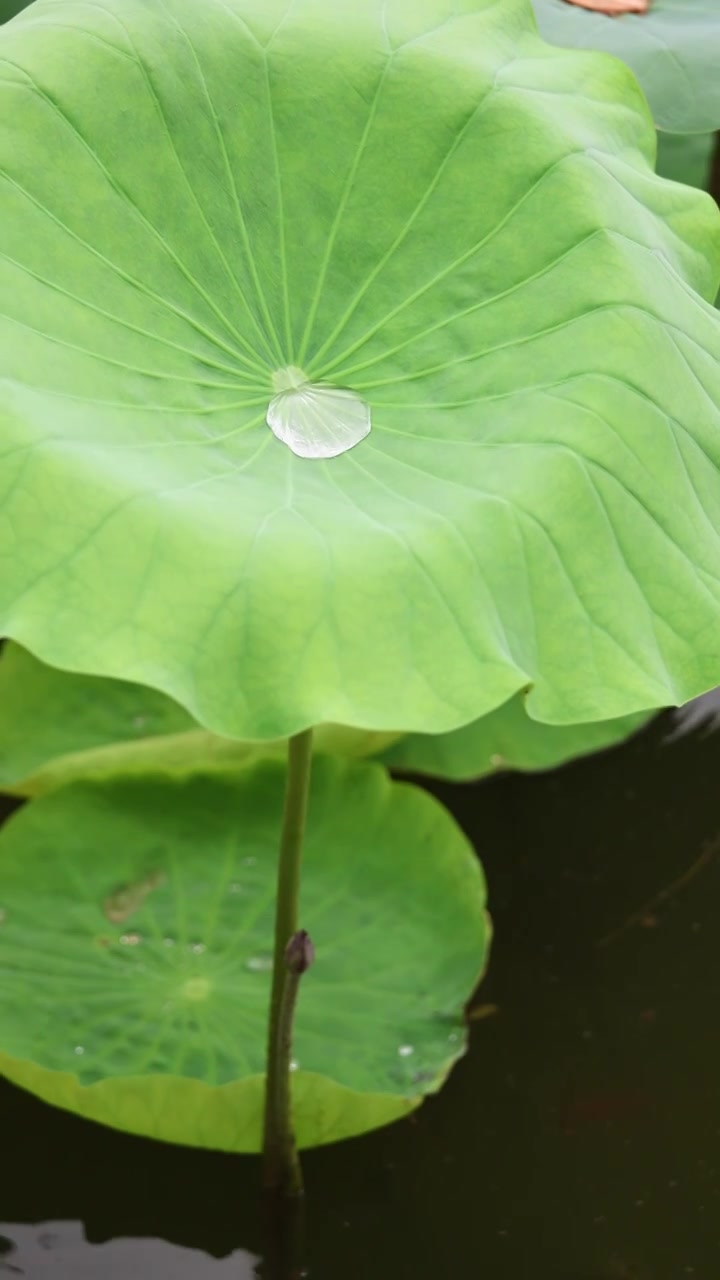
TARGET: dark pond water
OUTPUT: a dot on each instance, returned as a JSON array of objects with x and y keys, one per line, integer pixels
[{"x": 578, "y": 1140}]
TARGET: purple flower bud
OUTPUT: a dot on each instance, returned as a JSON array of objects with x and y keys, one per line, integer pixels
[{"x": 299, "y": 953}]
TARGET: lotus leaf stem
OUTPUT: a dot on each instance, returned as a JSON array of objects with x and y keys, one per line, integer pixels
[{"x": 293, "y": 954}]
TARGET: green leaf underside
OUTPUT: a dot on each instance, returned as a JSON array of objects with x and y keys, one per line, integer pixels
[
  {"x": 57, "y": 727},
  {"x": 172, "y": 1027},
  {"x": 673, "y": 51},
  {"x": 505, "y": 739},
  {"x": 377, "y": 202}
]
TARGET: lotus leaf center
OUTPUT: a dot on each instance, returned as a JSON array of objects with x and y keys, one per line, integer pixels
[{"x": 196, "y": 989}]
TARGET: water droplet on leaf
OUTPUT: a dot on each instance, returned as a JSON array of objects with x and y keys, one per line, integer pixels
[
  {"x": 130, "y": 939},
  {"x": 259, "y": 964},
  {"x": 406, "y": 1050},
  {"x": 314, "y": 419}
]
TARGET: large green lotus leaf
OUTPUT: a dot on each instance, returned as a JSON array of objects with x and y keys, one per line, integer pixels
[
  {"x": 56, "y": 727},
  {"x": 136, "y": 936},
  {"x": 674, "y": 50},
  {"x": 505, "y": 739},
  {"x": 419, "y": 201}
]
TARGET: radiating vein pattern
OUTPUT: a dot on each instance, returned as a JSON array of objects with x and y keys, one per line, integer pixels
[
  {"x": 455, "y": 231},
  {"x": 180, "y": 986}
]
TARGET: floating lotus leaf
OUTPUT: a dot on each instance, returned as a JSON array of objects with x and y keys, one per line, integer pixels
[
  {"x": 416, "y": 201},
  {"x": 505, "y": 739},
  {"x": 674, "y": 50},
  {"x": 136, "y": 939},
  {"x": 56, "y": 727}
]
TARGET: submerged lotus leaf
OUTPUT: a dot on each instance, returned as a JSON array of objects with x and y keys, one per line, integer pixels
[
  {"x": 137, "y": 934},
  {"x": 674, "y": 50},
  {"x": 57, "y": 727},
  {"x": 505, "y": 739},
  {"x": 416, "y": 201}
]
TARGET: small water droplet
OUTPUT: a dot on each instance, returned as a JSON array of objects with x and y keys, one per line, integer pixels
[
  {"x": 294, "y": 1064},
  {"x": 406, "y": 1050},
  {"x": 453, "y": 1037},
  {"x": 168, "y": 942},
  {"x": 197, "y": 948},
  {"x": 235, "y": 887},
  {"x": 250, "y": 862},
  {"x": 259, "y": 964},
  {"x": 130, "y": 939},
  {"x": 79, "y": 1050}
]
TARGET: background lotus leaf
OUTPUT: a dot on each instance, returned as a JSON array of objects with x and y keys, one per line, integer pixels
[
  {"x": 686, "y": 157},
  {"x": 505, "y": 739},
  {"x": 421, "y": 202},
  {"x": 136, "y": 939},
  {"x": 674, "y": 51}
]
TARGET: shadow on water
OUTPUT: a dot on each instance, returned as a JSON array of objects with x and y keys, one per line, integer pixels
[{"x": 578, "y": 1140}]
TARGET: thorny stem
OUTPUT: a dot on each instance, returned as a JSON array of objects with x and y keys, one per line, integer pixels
[{"x": 281, "y": 1166}]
